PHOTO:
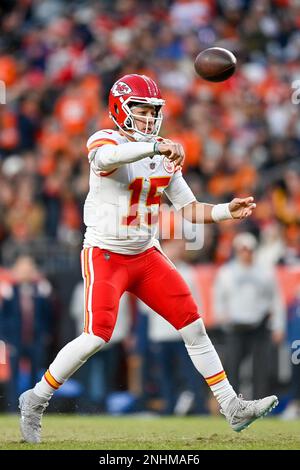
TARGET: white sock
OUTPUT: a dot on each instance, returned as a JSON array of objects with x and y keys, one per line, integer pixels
[
  {"x": 68, "y": 360},
  {"x": 207, "y": 361}
]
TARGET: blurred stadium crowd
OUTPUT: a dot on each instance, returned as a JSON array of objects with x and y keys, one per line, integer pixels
[{"x": 58, "y": 60}]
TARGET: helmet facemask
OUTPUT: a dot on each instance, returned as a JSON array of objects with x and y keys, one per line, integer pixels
[{"x": 130, "y": 122}]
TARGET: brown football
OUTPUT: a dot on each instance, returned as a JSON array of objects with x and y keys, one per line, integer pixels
[{"x": 215, "y": 64}]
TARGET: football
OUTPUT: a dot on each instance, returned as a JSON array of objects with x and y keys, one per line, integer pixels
[{"x": 215, "y": 64}]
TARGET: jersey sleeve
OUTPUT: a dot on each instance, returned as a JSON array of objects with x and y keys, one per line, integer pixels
[
  {"x": 100, "y": 138},
  {"x": 97, "y": 140},
  {"x": 179, "y": 192}
]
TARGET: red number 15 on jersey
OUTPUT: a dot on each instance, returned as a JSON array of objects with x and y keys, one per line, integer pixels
[{"x": 153, "y": 197}]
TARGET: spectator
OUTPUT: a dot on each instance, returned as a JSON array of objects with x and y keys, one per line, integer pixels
[
  {"x": 293, "y": 409},
  {"x": 27, "y": 323},
  {"x": 249, "y": 307}
]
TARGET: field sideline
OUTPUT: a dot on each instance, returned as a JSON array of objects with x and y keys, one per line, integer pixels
[{"x": 190, "y": 433}]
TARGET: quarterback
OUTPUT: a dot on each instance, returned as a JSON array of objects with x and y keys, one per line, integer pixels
[{"x": 130, "y": 168}]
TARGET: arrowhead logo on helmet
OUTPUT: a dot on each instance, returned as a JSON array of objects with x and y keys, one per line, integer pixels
[{"x": 121, "y": 88}]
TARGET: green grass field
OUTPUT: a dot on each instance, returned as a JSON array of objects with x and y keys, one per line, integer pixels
[{"x": 190, "y": 433}]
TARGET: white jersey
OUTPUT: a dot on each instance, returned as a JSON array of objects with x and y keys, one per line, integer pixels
[{"x": 122, "y": 206}]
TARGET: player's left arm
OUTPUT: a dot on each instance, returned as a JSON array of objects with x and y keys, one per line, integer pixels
[{"x": 199, "y": 212}]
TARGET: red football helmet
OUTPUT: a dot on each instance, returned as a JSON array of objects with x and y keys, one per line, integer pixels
[{"x": 136, "y": 90}]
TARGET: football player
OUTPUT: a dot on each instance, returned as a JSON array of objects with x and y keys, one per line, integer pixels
[{"x": 130, "y": 168}]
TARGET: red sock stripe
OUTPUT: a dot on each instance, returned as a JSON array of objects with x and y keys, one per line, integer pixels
[
  {"x": 216, "y": 378},
  {"x": 51, "y": 380}
]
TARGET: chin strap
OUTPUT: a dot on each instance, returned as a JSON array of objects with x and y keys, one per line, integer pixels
[
  {"x": 143, "y": 138},
  {"x": 135, "y": 135}
]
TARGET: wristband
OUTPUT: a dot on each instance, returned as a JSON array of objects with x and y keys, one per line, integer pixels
[
  {"x": 155, "y": 149},
  {"x": 221, "y": 212}
]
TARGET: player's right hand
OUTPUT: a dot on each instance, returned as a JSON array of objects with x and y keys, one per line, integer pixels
[{"x": 173, "y": 151}]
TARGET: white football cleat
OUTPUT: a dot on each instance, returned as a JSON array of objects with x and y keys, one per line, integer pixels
[
  {"x": 32, "y": 408},
  {"x": 241, "y": 413}
]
